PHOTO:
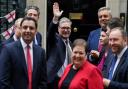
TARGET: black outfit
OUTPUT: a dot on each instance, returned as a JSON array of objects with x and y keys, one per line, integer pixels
[
  {"x": 56, "y": 53},
  {"x": 68, "y": 79}
]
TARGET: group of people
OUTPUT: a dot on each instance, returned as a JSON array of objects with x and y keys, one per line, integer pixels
[
  {"x": 22, "y": 59},
  {"x": 99, "y": 63}
]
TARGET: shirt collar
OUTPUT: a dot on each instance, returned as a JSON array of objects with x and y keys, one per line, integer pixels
[
  {"x": 122, "y": 52},
  {"x": 24, "y": 44}
]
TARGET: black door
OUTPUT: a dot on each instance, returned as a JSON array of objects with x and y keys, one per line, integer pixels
[{"x": 83, "y": 14}]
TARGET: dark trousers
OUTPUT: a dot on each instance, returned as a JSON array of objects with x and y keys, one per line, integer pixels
[{"x": 54, "y": 84}]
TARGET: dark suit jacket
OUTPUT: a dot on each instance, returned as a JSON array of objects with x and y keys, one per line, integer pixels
[
  {"x": 39, "y": 38},
  {"x": 93, "y": 40},
  {"x": 13, "y": 68},
  {"x": 56, "y": 52},
  {"x": 120, "y": 77},
  {"x": 6, "y": 42}
]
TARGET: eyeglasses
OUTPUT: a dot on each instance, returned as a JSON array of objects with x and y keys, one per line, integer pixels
[{"x": 65, "y": 27}]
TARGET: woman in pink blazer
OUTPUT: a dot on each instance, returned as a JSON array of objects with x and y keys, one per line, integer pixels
[{"x": 80, "y": 74}]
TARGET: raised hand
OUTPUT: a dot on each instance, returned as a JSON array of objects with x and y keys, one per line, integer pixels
[{"x": 56, "y": 10}]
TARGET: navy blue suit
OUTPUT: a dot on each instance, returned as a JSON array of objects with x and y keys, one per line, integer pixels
[
  {"x": 6, "y": 42},
  {"x": 56, "y": 51},
  {"x": 93, "y": 39},
  {"x": 120, "y": 77},
  {"x": 13, "y": 68},
  {"x": 39, "y": 38}
]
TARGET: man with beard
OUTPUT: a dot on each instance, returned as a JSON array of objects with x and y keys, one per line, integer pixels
[{"x": 116, "y": 71}]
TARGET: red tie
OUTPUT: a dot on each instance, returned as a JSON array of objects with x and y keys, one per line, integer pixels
[{"x": 29, "y": 65}]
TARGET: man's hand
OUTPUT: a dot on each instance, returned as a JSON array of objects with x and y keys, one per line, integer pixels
[
  {"x": 56, "y": 11},
  {"x": 95, "y": 54},
  {"x": 106, "y": 82}
]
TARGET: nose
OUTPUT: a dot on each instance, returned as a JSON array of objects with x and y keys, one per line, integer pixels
[
  {"x": 77, "y": 55},
  {"x": 111, "y": 42},
  {"x": 28, "y": 29},
  {"x": 100, "y": 38}
]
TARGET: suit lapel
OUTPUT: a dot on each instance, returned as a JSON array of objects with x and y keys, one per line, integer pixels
[
  {"x": 22, "y": 57},
  {"x": 35, "y": 60},
  {"x": 122, "y": 60},
  {"x": 61, "y": 49}
]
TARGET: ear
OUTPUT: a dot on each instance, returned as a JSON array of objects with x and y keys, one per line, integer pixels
[{"x": 58, "y": 28}]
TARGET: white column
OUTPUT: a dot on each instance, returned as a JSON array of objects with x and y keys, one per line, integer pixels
[{"x": 114, "y": 5}]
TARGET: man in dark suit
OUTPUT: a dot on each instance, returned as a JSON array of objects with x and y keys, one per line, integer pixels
[
  {"x": 34, "y": 12},
  {"x": 22, "y": 63},
  {"x": 16, "y": 34},
  {"x": 57, "y": 58},
  {"x": 104, "y": 15},
  {"x": 116, "y": 73}
]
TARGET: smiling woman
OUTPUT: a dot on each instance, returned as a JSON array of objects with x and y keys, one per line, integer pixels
[{"x": 80, "y": 71}]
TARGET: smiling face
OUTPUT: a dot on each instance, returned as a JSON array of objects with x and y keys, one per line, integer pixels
[
  {"x": 64, "y": 30},
  {"x": 28, "y": 30},
  {"x": 79, "y": 52},
  {"x": 78, "y": 56},
  {"x": 33, "y": 14},
  {"x": 104, "y": 16},
  {"x": 116, "y": 41}
]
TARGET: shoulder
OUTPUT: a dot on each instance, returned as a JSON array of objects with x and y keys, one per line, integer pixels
[
  {"x": 90, "y": 67},
  {"x": 38, "y": 33},
  {"x": 8, "y": 41},
  {"x": 96, "y": 30},
  {"x": 12, "y": 44},
  {"x": 10, "y": 48},
  {"x": 38, "y": 48}
]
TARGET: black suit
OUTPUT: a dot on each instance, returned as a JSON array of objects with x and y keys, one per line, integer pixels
[
  {"x": 56, "y": 52},
  {"x": 13, "y": 68},
  {"x": 120, "y": 77}
]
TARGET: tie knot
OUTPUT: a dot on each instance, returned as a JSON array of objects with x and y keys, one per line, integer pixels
[
  {"x": 28, "y": 46},
  {"x": 66, "y": 42}
]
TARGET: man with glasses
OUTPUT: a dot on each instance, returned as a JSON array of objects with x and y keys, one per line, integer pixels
[{"x": 57, "y": 43}]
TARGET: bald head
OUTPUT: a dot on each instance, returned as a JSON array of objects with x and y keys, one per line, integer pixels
[{"x": 17, "y": 27}]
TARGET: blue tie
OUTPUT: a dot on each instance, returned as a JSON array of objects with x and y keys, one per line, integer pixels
[{"x": 112, "y": 67}]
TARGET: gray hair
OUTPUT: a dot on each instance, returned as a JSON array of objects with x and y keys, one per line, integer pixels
[
  {"x": 123, "y": 31},
  {"x": 32, "y": 7},
  {"x": 105, "y": 8},
  {"x": 64, "y": 19}
]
